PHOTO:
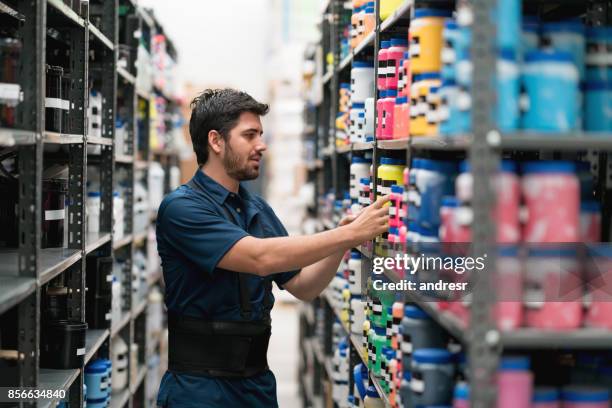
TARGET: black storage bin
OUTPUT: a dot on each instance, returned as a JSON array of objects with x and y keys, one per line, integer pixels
[
  {"x": 99, "y": 292},
  {"x": 53, "y": 100},
  {"x": 62, "y": 344},
  {"x": 8, "y": 215},
  {"x": 53, "y": 213},
  {"x": 56, "y": 302}
]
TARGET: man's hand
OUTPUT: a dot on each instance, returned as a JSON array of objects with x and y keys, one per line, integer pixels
[
  {"x": 370, "y": 222},
  {"x": 346, "y": 220}
]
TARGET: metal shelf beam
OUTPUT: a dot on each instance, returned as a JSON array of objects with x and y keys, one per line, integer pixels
[
  {"x": 100, "y": 37},
  {"x": 104, "y": 141},
  {"x": 93, "y": 341},
  {"x": 13, "y": 290},
  {"x": 95, "y": 240},
  {"x": 15, "y": 137},
  {"x": 127, "y": 239},
  {"x": 61, "y": 138},
  {"x": 55, "y": 380},
  {"x": 64, "y": 10},
  {"x": 126, "y": 76}
]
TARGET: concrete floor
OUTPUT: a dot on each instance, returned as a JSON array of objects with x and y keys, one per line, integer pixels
[{"x": 283, "y": 353}]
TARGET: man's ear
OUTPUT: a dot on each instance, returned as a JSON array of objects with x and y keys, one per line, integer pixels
[{"x": 215, "y": 141}]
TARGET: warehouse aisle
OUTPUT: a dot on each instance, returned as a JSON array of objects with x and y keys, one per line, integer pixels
[{"x": 283, "y": 352}]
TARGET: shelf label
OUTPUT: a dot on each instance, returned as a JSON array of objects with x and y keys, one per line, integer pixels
[
  {"x": 80, "y": 351},
  {"x": 10, "y": 92},
  {"x": 54, "y": 215},
  {"x": 53, "y": 103}
]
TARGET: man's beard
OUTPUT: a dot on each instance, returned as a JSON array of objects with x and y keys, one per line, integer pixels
[{"x": 231, "y": 163}]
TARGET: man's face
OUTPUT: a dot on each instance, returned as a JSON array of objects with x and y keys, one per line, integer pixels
[{"x": 244, "y": 148}]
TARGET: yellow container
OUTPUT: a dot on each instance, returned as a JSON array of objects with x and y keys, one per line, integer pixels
[
  {"x": 387, "y": 7},
  {"x": 390, "y": 171},
  {"x": 421, "y": 110},
  {"x": 426, "y": 41}
]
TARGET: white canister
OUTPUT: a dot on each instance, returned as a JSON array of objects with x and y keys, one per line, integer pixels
[
  {"x": 354, "y": 267},
  {"x": 93, "y": 211},
  {"x": 357, "y": 315},
  {"x": 362, "y": 81},
  {"x": 119, "y": 357},
  {"x": 156, "y": 184},
  {"x": 356, "y": 109},
  {"x": 118, "y": 216},
  {"x": 370, "y": 119},
  {"x": 360, "y": 168}
]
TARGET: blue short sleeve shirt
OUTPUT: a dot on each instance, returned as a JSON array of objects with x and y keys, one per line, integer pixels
[{"x": 193, "y": 235}]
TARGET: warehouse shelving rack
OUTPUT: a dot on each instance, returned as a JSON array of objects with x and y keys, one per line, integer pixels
[
  {"x": 483, "y": 147},
  {"x": 25, "y": 270}
]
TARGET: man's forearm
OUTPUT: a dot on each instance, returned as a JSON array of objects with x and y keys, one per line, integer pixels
[
  {"x": 311, "y": 280},
  {"x": 273, "y": 255}
]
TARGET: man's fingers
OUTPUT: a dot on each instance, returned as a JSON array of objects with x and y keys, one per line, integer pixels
[{"x": 382, "y": 201}]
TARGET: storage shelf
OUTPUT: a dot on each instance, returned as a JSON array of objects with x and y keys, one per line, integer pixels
[
  {"x": 55, "y": 380},
  {"x": 396, "y": 144},
  {"x": 125, "y": 319},
  {"x": 93, "y": 341},
  {"x": 122, "y": 242},
  {"x": 6, "y": 9},
  {"x": 64, "y": 10},
  {"x": 383, "y": 396},
  {"x": 143, "y": 94},
  {"x": 327, "y": 77},
  {"x": 139, "y": 308},
  {"x": 124, "y": 159},
  {"x": 95, "y": 240},
  {"x": 54, "y": 261},
  {"x": 573, "y": 141},
  {"x": 126, "y": 76},
  {"x": 119, "y": 399},
  {"x": 583, "y": 338},
  {"x": 346, "y": 62},
  {"x": 363, "y": 146},
  {"x": 398, "y": 14},
  {"x": 146, "y": 17},
  {"x": 99, "y": 36},
  {"x": 16, "y": 137},
  {"x": 364, "y": 251},
  {"x": 13, "y": 290},
  {"x": 94, "y": 140},
  {"x": 61, "y": 138},
  {"x": 142, "y": 373},
  {"x": 343, "y": 149},
  {"x": 368, "y": 41}
]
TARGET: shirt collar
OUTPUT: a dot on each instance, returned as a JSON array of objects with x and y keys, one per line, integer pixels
[{"x": 217, "y": 191}]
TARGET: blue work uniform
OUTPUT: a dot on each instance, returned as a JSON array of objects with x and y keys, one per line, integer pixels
[{"x": 193, "y": 234}]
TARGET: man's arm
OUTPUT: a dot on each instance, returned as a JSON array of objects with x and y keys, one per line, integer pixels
[{"x": 266, "y": 256}]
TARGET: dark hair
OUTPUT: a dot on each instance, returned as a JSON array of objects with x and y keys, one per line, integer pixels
[{"x": 218, "y": 109}]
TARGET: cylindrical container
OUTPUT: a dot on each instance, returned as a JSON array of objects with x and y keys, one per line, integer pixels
[
  {"x": 434, "y": 179},
  {"x": 387, "y": 7},
  {"x": 545, "y": 397},
  {"x": 354, "y": 131},
  {"x": 514, "y": 383},
  {"x": 369, "y": 19},
  {"x": 354, "y": 26},
  {"x": 432, "y": 377},
  {"x": 508, "y": 188},
  {"x": 553, "y": 289},
  {"x": 599, "y": 273},
  {"x": 372, "y": 399},
  {"x": 364, "y": 192},
  {"x": 420, "y": 89},
  {"x": 598, "y": 106},
  {"x": 509, "y": 286},
  {"x": 461, "y": 395},
  {"x": 508, "y": 90},
  {"x": 529, "y": 35},
  {"x": 390, "y": 172},
  {"x": 388, "y": 109},
  {"x": 370, "y": 119},
  {"x": 448, "y": 55},
  {"x": 380, "y": 113},
  {"x": 406, "y": 73},
  {"x": 93, "y": 211},
  {"x": 405, "y": 393},
  {"x": 419, "y": 331},
  {"x": 585, "y": 397},
  {"x": 62, "y": 344},
  {"x": 590, "y": 221},
  {"x": 118, "y": 216},
  {"x": 362, "y": 81},
  {"x": 552, "y": 195},
  {"x": 425, "y": 35},
  {"x": 360, "y": 168},
  {"x": 568, "y": 36},
  {"x": 599, "y": 54},
  {"x": 10, "y": 52},
  {"x": 383, "y": 56},
  {"x": 431, "y": 114},
  {"x": 401, "y": 118},
  {"x": 53, "y": 212},
  {"x": 99, "y": 403},
  {"x": 395, "y": 207},
  {"x": 551, "y": 81},
  {"x": 398, "y": 47},
  {"x": 360, "y": 131},
  {"x": 354, "y": 267},
  {"x": 120, "y": 364},
  {"x": 448, "y": 110},
  {"x": 508, "y": 21},
  {"x": 53, "y": 99},
  {"x": 357, "y": 314},
  {"x": 96, "y": 380}
]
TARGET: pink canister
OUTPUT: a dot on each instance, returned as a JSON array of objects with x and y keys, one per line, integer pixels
[
  {"x": 395, "y": 55},
  {"x": 585, "y": 397},
  {"x": 599, "y": 278},
  {"x": 383, "y": 56},
  {"x": 553, "y": 289},
  {"x": 546, "y": 397},
  {"x": 388, "y": 107},
  {"x": 590, "y": 222},
  {"x": 552, "y": 198},
  {"x": 514, "y": 383}
]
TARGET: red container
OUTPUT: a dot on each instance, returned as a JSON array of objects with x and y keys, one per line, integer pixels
[
  {"x": 395, "y": 54},
  {"x": 388, "y": 112},
  {"x": 383, "y": 56}
]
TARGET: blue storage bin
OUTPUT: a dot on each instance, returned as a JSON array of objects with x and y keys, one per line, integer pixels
[
  {"x": 551, "y": 81},
  {"x": 449, "y": 52},
  {"x": 96, "y": 379},
  {"x": 530, "y": 34},
  {"x": 568, "y": 36},
  {"x": 508, "y": 21},
  {"x": 598, "y": 106},
  {"x": 508, "y": 91}
]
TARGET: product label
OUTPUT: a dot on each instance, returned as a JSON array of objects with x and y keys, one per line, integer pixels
[
  {"x": 80, "y": 351},
  {"x": 65, "y": 104},
  {"x": 10, "y": 92},
  {"x": 53, "y": 103},
  {"x": 417, "y": 384},
  {"x": 53, "y": 215},
  {"x": 107, "y": 316}
]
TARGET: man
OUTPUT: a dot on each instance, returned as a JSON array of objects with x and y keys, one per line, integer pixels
[{"x": 221, "y": 249}]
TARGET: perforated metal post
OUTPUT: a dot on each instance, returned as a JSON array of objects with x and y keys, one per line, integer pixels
[{"x": 484, "y": 346}]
